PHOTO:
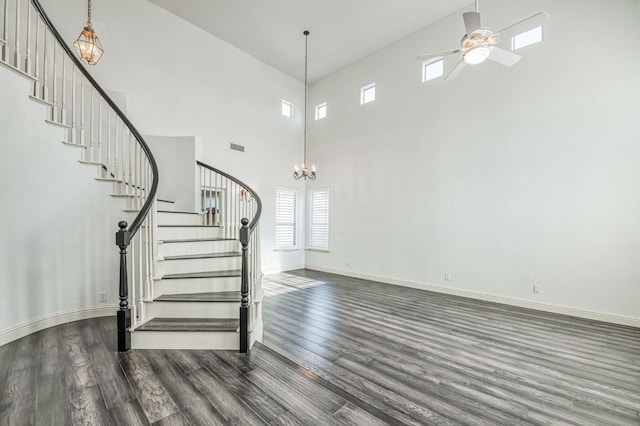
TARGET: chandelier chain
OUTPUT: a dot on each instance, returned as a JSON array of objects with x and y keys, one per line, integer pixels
[
  {"x": 89, "y": 13},
  {"x": 306, "y": 42}
]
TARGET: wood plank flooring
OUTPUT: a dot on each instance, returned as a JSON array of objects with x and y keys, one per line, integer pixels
[
  {"x": 428, "y": 358},
  {"x": 338, "y": 351}
]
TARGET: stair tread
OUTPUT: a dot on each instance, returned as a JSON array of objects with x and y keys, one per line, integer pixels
[
  {"x": 209, "y": 274},
  {"x": 195, "y": 240},
  {"x": 189, "y": 226},
  {"x": 177, "y": 211},
  {"x": 191, "y": 324},
  {"x": 221, "y": 296},
  {"x": 204, "y": 256}
]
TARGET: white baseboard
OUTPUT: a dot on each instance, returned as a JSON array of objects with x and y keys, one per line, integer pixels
[
  {"x": 557, "y": 309},
  {"x": 21, "y": 330},
  {"x": 277, "y": 270}
]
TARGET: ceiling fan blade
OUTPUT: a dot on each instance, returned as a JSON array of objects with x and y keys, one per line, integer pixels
[
  {"x": 503, "y": 57},
  {"x": 437, "y": 54},
  {"x": 537, "y": 20},
  {"x": 456, "y": 70},
  {"x": 472, "y": 21}
]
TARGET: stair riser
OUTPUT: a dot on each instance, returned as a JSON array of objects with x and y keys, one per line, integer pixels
[
  {"x": 182, "y": 233},
  {"x": 159, "y": 309},
  {"x": 196, "y": 285},
  {"x": 197, "y": 247},
  {"x": 212, "y": 340},
  {"x": 162, "y": 205},
  {"x": 165, "y": 218},
  {"x": 198, "y": 265}
]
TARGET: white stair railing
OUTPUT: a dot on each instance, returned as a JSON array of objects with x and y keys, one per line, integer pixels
[
  {"x": 236, "y": 208},
  {"x": 31, "y": 46}
]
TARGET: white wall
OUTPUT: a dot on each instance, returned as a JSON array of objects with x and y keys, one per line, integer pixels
[
  {"x": 176, "y": 159},
  {"x": 50, "y": 271},
  {"x": 503, "y": 177},
  {"x": 180, "y": 80}
]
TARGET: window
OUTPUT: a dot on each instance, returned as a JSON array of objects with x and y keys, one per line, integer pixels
[
  {"x": 286, "y": 214},
  {"x": 432, "y": 68},
  {"x": 526, "y": 38},
  {"x": 368, "y": 93},
  {"x": 287, "y": 109},
  {"x": 321, "y": 111},
  {"x": 318, "y": 232}
]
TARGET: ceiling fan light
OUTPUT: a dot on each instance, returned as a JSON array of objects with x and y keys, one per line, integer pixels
[{"x": 476, "y": 55}]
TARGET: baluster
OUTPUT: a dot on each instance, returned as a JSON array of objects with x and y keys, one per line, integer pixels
[
  {"x": 100, "y": 131},
  {"x": 244, "y": 290},
  {"x": 36, "y": 62},
  {"x": 91, "y": 126},
  {"x": 54, "y": 76},
  {"x": 74, "y": 139},
  {"x": 131, "y": 158},
  {"x": 227, "y": 231},
  {"x": 123, "y": 238},
  {"x": 82, "y": 142},
  {"x": 135, "y": 301},
  {"x": 63, "y": 112},
  {"x": 115, "y": 143},
  {"x": 143, "y": 293},
  {"x": 16, "y": 52},
  {"x": 27, "y": 61},
  {"x": 213, "y": 205},
  {"x": 123, "y": 157},
  {"x": 5, "y": 34},
  {"x": 45, "y": 75}
]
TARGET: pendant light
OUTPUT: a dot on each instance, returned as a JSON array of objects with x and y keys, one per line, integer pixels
[
  {"x": 88, "y": 46},
  {"x": 304, "y": 173}
]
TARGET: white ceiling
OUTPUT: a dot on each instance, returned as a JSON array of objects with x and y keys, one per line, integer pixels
[{"x": 342, "y": 31}]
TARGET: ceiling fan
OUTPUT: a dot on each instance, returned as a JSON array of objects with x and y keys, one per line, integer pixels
[{"x": 480, "y": 43}]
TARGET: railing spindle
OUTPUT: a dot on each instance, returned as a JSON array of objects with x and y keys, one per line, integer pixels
[
  {"x": 63, "y": 111},
  {"x": 5, "y": 32},
  {"x": 27, "y": 60},
  {"x": 16, "y": 52},
  {"x": 72, "y": 132},
  {"x": 36, "y": 62}
]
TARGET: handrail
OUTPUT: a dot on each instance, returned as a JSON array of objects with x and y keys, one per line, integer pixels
[
  {"x": 146, "y": 207},
  {"x": 256, "y": 217}
]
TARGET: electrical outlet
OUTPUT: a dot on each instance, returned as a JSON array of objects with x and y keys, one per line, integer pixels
[
  {"x": 102, "y": 297},
  {"x": 536, "y": 288},
  {"x": 447, "y": 276}
]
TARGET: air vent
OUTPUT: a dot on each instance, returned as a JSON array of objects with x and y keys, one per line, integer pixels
[{"x": 237, "y": 147}]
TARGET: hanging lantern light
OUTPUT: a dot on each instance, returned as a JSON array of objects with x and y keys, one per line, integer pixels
[{"x": 88, "y": 46}]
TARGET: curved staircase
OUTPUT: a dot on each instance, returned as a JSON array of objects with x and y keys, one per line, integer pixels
[{"x": 188, "y": 280}]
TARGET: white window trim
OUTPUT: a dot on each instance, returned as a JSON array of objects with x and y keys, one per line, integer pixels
[
  {"x": 363, "y": 91},
  {"x": 318, "y": 107},
  {"x": 513, "y": 38},
  {"x": 285, "y": 102},
  {"x": 429, "y": 63},
  {"x": 308, "y": 230},
  {"x": 296, "y": 220}
]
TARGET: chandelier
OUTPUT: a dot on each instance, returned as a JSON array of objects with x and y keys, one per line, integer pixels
[
  {"x": 304, "y": 173},
  {"x": 88, "y": 46}
]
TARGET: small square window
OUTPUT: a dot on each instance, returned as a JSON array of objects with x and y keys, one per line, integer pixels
[
  {"x": 287, "y": 109},
  {"x": 321, "y": 111},
  {"x": 433, "y": 68},
  {"x": 526, "y": 38},
  {"x": 368, "y": 93}
]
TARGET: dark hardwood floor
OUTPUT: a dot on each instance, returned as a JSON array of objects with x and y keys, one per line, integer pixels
[{"x": 338, "y": 351}]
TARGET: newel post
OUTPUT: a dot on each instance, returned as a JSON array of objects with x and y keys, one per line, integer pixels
[
  {"x": 244, "y": 289},
  {"x": 123, "y": 238}
]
